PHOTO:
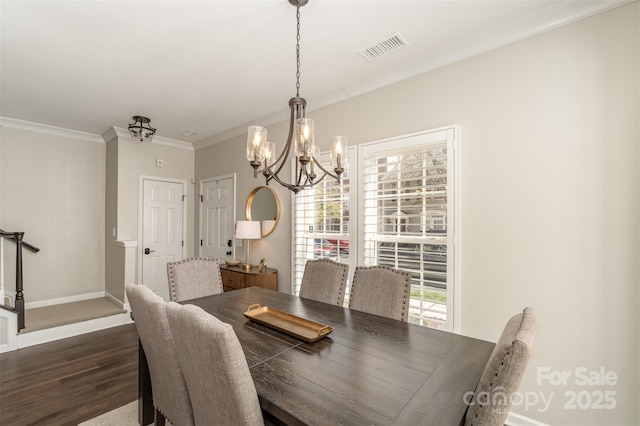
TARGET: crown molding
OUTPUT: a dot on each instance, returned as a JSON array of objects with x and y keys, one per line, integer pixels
[
  {"x": 111, "y": 134},
  {"x": 124, "y": 134},
  {"x": 173, "y": 143},
  {"x": 50, "y": 130},
  {"x": 565, "y": 13},
  {"x": 554, "y": 17},
  {"x": 220, "y": 137}
]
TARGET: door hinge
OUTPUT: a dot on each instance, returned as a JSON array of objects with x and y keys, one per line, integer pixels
[
  {"x": 184, "y": 197},
  {"x": 201, "y": 199},
  {"x": 200, "y": 243},
  {"x": 182, "y": 243}
]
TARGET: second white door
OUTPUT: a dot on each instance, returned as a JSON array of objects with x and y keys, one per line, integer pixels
[
  {"x": 217, "y": 215},
  {"x": 162, "y": 236}
]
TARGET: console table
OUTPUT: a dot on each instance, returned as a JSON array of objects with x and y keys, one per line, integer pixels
[{"x": 236, "y": 277}]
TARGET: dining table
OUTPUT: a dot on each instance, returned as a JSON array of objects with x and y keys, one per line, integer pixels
[{"x": 370, "y": 370}]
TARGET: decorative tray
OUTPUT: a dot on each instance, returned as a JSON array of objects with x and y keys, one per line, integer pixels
[{"x": 301, "y": 328}]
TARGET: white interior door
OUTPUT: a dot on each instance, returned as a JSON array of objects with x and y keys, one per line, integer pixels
[
  {"x": 162, "y": 235},
  {"x": 217, "y": 217}
]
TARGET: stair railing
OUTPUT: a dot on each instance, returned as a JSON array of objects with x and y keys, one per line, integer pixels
[{"x": 17, "y": 237}]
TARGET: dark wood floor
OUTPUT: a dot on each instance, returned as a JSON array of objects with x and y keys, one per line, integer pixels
[{"x": 71, "y": 380}]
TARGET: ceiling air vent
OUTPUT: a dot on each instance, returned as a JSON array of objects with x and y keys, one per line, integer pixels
[{"x": 389, "y": 44}]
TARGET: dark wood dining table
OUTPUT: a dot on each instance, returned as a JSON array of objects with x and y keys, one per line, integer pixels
[{"x": 370, "y": 370}]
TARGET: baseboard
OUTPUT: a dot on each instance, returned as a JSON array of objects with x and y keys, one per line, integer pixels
[
  {"x": 121, "y": 305},
  {"x": 514, "y": 419},
  {"x": 70, "y": 330},
  {"x": 115, "y": 301},
  {"x": 60, "y": 300}
]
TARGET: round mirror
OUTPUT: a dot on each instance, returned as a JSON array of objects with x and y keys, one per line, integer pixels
[{"x": 263, "y": 205}]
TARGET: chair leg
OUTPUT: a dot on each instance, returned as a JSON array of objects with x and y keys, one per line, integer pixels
[{"x": 159, "y": 418}]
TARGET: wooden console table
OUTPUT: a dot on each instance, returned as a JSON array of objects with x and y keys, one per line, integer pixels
[{"x": 236, "y": 277}]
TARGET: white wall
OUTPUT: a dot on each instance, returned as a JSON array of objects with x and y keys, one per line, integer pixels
[
  {"x": 54, "y": 187},
  {"x": 129, "y": 159},
  {"x": 138, "y": 158},
  {"x": 53, "y": 190},
  {"x": 550, "y": 188},
  {"x": 550, "y": 185},
  {"x": 229, "y": 157}
]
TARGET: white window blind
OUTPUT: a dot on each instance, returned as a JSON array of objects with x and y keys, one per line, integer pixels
[
  {"x": 402, "y": 215},
  {"x": 321, "y": 222},
  {"x": 407, "y": 217}
]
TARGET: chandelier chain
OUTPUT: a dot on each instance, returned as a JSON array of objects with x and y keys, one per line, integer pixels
[
  {"x": 300, "y": 142},
  {"x": 298, "y": 50}
]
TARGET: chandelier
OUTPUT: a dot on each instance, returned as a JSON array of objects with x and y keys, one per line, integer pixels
[
  {"x": 140, "y": 128},
  {"x": 262, "y": 154}
]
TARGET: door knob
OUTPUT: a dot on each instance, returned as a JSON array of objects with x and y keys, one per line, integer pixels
[
  {"x": 229, "y": 243},
  {"x": 148, "y": 250}
]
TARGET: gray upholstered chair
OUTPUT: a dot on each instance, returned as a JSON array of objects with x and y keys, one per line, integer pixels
[
  {"x": 381, "y": 290},
  {"x": 170, "y": 396},
  {"x": 215, "y": 368},
  {"x": 193, "y": 277},
  {"x": 324, "y": 280},
  {"x": 501, "y": 377}
]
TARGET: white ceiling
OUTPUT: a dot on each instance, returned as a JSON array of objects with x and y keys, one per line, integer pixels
[{"x": 216, "y": 66}]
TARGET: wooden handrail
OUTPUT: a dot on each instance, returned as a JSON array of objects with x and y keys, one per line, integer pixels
[
  {"x": 11, "y": 236},
  {"x": 17, "y": 237}
]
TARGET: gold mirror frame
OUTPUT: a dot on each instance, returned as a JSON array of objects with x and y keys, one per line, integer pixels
[{"x": 250, "y": 201}]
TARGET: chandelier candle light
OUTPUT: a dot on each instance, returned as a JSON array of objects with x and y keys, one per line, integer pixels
[
  {"x": 262, "y": 155},
  {"x": 247, "y": 230}
]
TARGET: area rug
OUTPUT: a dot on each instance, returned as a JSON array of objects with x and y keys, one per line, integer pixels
[{"x": 127, "y": 415}]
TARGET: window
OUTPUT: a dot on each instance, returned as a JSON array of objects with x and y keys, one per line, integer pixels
[
  {"x": 406, "y": 219},
  {"x": 321, "y": 222}
]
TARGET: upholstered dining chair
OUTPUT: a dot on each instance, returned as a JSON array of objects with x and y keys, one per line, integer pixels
[
  {"x": 193, "y": 277},
  {"x": 324, "y": 280},
  {"x": 215, "y": 368},
  {"x": 170, "y": 396},
  {"x": 381, "y": 290},
  {"x": 491, "y": 401}
]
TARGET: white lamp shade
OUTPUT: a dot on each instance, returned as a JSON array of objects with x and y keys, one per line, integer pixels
[{"x": 248, "y": 229}]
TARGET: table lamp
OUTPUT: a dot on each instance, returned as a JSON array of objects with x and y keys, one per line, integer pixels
[{"x": 247, "y": 230}]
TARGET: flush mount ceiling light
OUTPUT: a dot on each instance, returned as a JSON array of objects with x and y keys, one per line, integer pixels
[
  {"x": 140, "y": 129},
  {"x": 261, "y": 154}
]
